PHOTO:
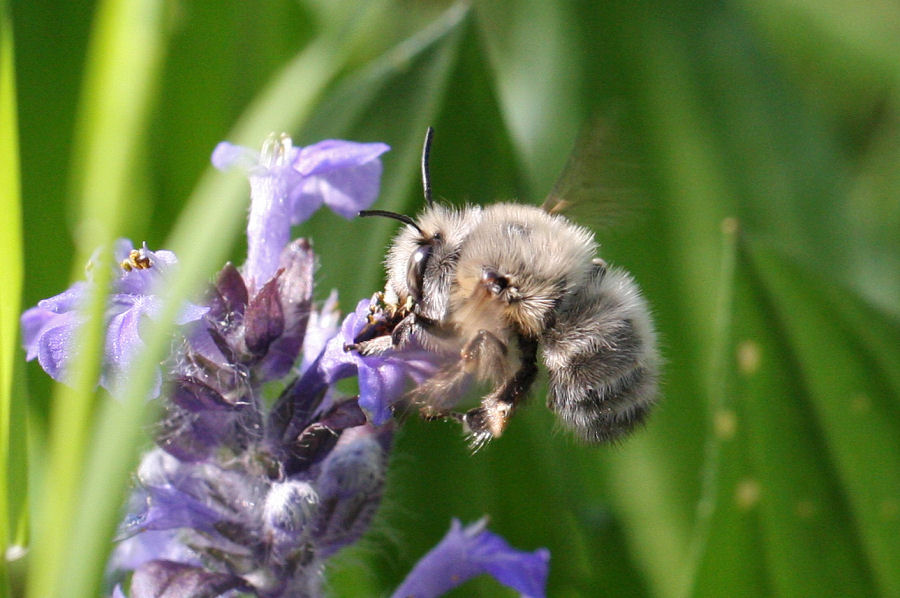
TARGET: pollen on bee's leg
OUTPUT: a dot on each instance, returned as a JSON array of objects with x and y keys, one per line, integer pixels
[
  {"x": 498, "y": 417},
  {"x": 431, "y": 413}
]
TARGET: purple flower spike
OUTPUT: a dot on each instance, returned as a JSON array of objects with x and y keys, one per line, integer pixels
[
  {"x": 288, "y": 184},
  {"x": 163, "y": 579},
  {"x": 466, "y": 552},
  {"x": 382, "y": 378}
]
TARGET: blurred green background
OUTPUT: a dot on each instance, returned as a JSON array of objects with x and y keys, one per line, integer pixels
[{"x": 766, "y": 238}]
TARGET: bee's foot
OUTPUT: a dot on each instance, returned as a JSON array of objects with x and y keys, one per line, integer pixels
[{"x": 476, "y": 426}]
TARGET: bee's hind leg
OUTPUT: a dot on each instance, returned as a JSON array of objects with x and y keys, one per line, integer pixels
[{"x": 490, "y": 419}]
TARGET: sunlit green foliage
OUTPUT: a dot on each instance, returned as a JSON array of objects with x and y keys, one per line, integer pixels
[{"x": 765, "y": 233}]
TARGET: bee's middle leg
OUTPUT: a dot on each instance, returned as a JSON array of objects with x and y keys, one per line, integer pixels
[{"x": 437, "y": 395}]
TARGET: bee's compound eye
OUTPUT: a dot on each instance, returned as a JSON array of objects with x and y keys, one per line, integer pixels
[{"x": 415, "y": 274}]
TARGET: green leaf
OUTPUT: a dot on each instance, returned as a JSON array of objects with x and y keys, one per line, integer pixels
[
  {"x": 810, "y": 543},
  {"x": 393, "y": 98},
  {"x": 509, "y": 30},
  {"x": 13, "y": 490},
  {"x": 845, "y": 355}
]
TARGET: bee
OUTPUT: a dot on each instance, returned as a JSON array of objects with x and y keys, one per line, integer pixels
[{"x": 495, "y": 287}]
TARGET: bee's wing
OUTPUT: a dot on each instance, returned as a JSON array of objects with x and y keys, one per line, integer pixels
[{"x": 599, "y": 183}]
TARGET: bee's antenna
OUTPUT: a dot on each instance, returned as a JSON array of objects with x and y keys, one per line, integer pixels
[
  {"x": 426, "y": 179},
  {"x": 401, "y": 217}
]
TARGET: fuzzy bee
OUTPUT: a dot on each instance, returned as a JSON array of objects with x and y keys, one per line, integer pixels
[{"x": 494, "y": 287}]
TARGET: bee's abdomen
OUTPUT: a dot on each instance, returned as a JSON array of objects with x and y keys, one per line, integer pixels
[
  {"x": 602, "y": 359},
  {"x": 604, "y": 411}
]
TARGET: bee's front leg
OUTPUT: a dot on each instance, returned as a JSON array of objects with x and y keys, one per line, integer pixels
[
  {"x": 387, "y": 323},
  {"x": 490, "y": 419},
  {"x": 395, "y": 337}
]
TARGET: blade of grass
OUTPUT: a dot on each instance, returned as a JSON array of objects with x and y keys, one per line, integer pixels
[
  {"x": 408, "y": 81},
  {"x": 542, "y": 137},
  {"x": 12, "y": 430},
  {"x": 121, "y": 69},
  {"x": 289, "y": 99}
]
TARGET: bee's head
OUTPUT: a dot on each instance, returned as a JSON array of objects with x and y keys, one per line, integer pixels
[
  {"x": 422, "y": 258},
  {"x": 414, "y": 257},
  {"x": 421, "y": 262}
]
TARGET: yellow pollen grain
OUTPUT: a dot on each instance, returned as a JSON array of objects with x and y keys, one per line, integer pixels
[
  {"x": 725, "y": 424},
  {"x": 729, "y": 225},
  {"x": 749, "y": 357},
  {"x": 746, "y": 494}
]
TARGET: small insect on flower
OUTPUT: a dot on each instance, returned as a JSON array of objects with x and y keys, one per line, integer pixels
[{"x": 493, "y": 286}]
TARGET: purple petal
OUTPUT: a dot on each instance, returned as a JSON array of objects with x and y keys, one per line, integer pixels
[
  {"x": 227, "y": 155},
  {"x": 335, "y": 363},
  {"x": 334, "y": 154},
  {"x": 322, "y": 326},
  {"x": 170, "y": 509},
  {"x": 467, "y": 552},
  {"x": 136, "y": 550},
  {"x": 349, "y": 190},
  {"x": 47, "y": 314},
  {"x": 354, "y": 322},
  {"x": 68, "y": 300},
  {"x": 123, "y": 343},
  {"x": 56, "y": 346},
  {"x": 268, "y": 226},
  {"x": 121, "y": 248},
  {"x": 33, "y": 322},
  {"x": 379, "y": 388},
  {"x": 303, "y": 204},
  {"x": 345, "y": 175},
  {"x": 191, "y": 312},
  {"x": 381, "y": 377},
  {"x": 133, "y": 551}
]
